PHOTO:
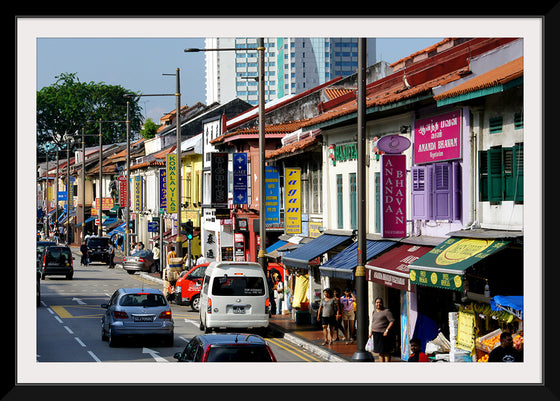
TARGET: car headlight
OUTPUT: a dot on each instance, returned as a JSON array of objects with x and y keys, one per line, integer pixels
[{"x": 177, "y": 289}]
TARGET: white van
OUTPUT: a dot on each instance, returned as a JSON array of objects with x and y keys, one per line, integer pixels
[{"x": 234, "y": 295}]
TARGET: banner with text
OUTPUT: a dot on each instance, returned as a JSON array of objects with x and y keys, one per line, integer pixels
[
  {"x": 240, "y": 178},
  {"x": 293, "y": 200},
  {"x": 437, "y": 138},
  {"x": 272, "y": 195},
  {"x": 171, "y": 177},
  {"x": 393, "y": 200}
]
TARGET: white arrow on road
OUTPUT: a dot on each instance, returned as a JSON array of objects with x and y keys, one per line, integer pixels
[
  {"x": 154, "y": 354},
  {"x": 79, "y": 301}
]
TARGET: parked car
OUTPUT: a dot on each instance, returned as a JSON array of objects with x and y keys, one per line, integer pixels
[
  {"x": 142, "y": 260},
  {"x": 237, "y": 347},
  {"x": 41, "y": 245},
  {"x": 57, "y": 260},
  {"x": 187, "y": 287},
  {"x": 98, "y": 249},
  {"x": 136, "y": 312}
]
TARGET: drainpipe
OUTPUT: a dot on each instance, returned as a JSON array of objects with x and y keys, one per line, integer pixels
[{"x": 476, "y": 124}]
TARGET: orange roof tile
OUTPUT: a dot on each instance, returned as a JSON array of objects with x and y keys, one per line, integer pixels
[
  {"x": 333, "y": 93},
  {"x": 495, "y": 77},
  {"x": 293, "y": 147},
  {"x": 282, "y": 128}
]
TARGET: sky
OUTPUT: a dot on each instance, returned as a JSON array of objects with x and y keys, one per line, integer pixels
[{"x": 138, "y": 64}]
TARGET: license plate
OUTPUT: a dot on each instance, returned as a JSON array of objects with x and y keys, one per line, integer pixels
[
  {"x": 143, "y": 318},
  {"x": 238, "y": 309}
]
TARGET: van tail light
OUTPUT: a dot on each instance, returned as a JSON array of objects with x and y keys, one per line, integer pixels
[
  {"x": 120, "y": 315},
  {"x": 209, "y": 309},
  {"x": 44, "y": 259},
  {"x": 267, "y": 305},
  {"x": 165, "y": 314}
]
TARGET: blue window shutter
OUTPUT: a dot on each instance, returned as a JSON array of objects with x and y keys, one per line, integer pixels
[
  {"x": 421, "y": 193},
  {"x": 443, "y": 191}
]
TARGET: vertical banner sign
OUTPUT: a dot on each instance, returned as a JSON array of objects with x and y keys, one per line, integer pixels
[
  {"x": 293, "y": 200},
  {"x": 163, "y": 189},
  {"x": 219, "y": 179},
  {"x": 123, "y": 193},
  {"x": 171, "y": 177},
  {"x": 393, "y": 200},
  {"x": 240, "y": 178},
  {"x": 437, "y": 138},
  {"x": 272, "y": 196},
  {"x": 138, "y": 193}
]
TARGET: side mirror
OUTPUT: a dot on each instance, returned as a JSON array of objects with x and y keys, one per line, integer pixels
[{"x": 177, "y": 355}]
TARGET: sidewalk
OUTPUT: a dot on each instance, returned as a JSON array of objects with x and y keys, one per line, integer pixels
[{"x": 306, "y": 335}]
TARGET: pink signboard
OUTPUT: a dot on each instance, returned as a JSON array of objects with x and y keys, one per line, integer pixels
[
  {"x": 393, "y": 200},
  {"x": 437, "y": 138}
]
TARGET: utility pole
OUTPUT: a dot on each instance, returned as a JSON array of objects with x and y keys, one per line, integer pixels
[{"x": 361, "y": 355}]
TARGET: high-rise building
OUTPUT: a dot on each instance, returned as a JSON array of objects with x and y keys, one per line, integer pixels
[{"x": 292, "y": 66}]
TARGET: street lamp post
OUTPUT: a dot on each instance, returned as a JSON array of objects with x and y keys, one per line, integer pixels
[
  {"x": 262, "y": 187},
  {"x": 177, "y": 94}
]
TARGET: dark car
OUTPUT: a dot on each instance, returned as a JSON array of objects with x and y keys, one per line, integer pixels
[
  {"x": 98, "y": 249},
  {"x": 142, "y": 260},
  {"x": 57, "y": 260},
  {"x": 41, "y": 245},
  {"x": 236, "y": 347}
]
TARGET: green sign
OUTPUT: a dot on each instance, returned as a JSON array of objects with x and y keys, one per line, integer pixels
[{"x": 443, "y": 266}]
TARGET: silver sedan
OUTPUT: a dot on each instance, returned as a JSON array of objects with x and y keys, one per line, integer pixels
[
  {"x": 140, "y": 261},
  {"x": 137, "y": 312}
]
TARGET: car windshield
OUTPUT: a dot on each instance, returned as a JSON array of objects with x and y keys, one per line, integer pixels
[
  {"x": 41, "y": 246},
  {"x": 143, "y": 299},
  {"x": 142, "y": 253},
  {"x": 238, "y": 286},
  {"x": 58, "y": 256},
  {"x": 239, "y": 353},
  {"x": 98, "y": 242}
]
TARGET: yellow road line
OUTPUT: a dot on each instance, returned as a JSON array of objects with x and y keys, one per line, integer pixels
[
  {"x": 63, "y": 313},
  {"x": 293, "y": 350}
]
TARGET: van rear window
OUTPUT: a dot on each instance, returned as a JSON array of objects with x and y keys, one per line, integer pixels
[{"x": 236, "y": 286}]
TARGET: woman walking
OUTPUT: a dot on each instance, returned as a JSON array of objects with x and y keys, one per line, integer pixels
[
  {"x": 328, "y": 309},
  {"x": 381, "y": 322}
]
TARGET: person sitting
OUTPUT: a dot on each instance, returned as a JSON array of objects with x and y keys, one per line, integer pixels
[{"x": 416, "y": 352}]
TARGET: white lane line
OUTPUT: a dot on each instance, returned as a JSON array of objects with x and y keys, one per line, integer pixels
[
  {"x": 79, "y": 341},
  {"x": 58, "y": 319},
  {"x": 68, "y": 330},
  {"x": 94, "y": 356}
]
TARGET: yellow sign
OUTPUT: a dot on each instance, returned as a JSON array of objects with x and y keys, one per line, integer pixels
[
  {"x": 465, "y": 331},
  {"x": 293, "y": 200},
  {"x": 171, "y": 167},
  {"x": 461, "y": 250}
]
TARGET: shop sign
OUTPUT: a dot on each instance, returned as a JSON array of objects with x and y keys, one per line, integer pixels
[
  {"x": 447, "y": 281},
  {"x": 106, "y": 204},
  {"x": 137, "y": 193},
  {"x": 293, "y": 200},
  {"x": 272, "y": 195},
  {"x": 437, "y": 138},
  {"x": 343, "y": 152},
  {"x": 465, "y": 331},
  {"x": 163, "y": 189},
  {"x": 239, "y": 244},
  {"x": 393, "y": 144},
  {"x": 240, "y": 178},
  {"x": 393, "y": 200},
  {"x": 219, "y": 179},
  {"x": 123, "y": 191},
  {"x": 171, "y": 177}
]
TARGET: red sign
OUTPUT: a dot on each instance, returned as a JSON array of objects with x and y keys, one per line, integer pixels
[
  {"x": 122, "y": 190},
  {"x": 393, "y": 200},
  {"x": 437, "y": 138}
]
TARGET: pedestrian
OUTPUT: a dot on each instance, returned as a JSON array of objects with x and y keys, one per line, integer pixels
[
  {"x": 505, "y": 352},
  {"x": 416, "y": 352},
  {"x": 201, "y": 259},
  {"x": 348, "y": 316},
  {"x": 171, "y": 253},
  {"x": 156, "y": 254},
  {"x": 272, "y": 300},
  {"x": 328, "y": 309},
  {"x": 111, "y": 255},
  {"x": 338, "y": 321},
  {"x": 381, "y": 322},
  {"x": 85, "y": 254},
  {"x": 279, "y": 288}
]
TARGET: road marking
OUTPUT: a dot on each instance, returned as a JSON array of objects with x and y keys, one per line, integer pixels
[
  {"x": 60, "y": 311},
  {"x": 154, "y": 354},
  {"x": 293, "y": 350},
  {"x": 79, "y": 301},
  {"x": 79, "y": 341},
  {"x": 68, "y": 330},
  {"x": 58, "y": 319},
  {"x": 94, "y": 356}
]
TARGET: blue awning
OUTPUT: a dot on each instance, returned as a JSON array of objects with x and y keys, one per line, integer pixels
[
  {"x": 117, "y": 230},
  {"x": 323, "y": 243},
  {"x": 62, "y": 218},
  {"x": 343, "y": 264},
  {"x": 275, "y": 246},
  {"x": 109, "y": 220}
]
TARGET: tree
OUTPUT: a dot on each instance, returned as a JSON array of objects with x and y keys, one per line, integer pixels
[
  {"x": 65, "y": 107},
  {"x": 150, "y": 129}
]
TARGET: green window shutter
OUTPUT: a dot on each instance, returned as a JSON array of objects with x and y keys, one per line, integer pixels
[
  {"x": 518, "y": 120},
  {"x": 340, "y": 205},
  {"x": 508, "y": 181},
  {"x": 482, "y": 176},
  {"x": 353, "y": 202},
  {"x": 495, "y": 162},
  {"x": 518, "y": 163},
  {"x": 495, "y": 125}
]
